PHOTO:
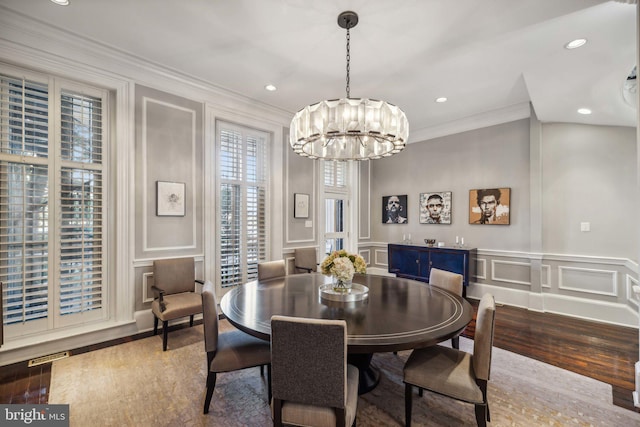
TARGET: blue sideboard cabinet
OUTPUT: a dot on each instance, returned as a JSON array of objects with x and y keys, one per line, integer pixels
[{"x": 415, "y": 261}]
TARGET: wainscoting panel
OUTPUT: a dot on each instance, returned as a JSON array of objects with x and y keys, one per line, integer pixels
[
  {"x": 366, "y": 254},
  {"x": 481, "y": 269},
  {"x": 587, "y": 287},
  {"x": 517, "y": 273},
  {"x": 588, "y": 280},
  {"x": 381, "y": 257}
]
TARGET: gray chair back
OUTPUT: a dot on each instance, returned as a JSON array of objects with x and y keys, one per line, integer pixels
[
  {"x": 483, "y": 338},
  {"x": 270, "y": 269},
  {"x": 306, "y": 260},
  {"x": 210, "y": 317},
  {"x": 452, "y": 282},
  {"x": 175, "y": 275},
  {"x": 309, "y": 361}
]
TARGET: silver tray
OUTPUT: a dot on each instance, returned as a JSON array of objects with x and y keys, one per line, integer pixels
[{"x": 357, "y": 292}]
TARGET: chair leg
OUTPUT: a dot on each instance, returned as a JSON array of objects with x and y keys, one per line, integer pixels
[
  {"x": 455, "y": 343},
  {"x": 165, "y": 333},
  {"x": 408, "y": 392},
  {"x": 261, "y": 370},
  {"x": 481, "y": 415},
  {"x": 269, "y": 383},
  {"x": 420, "y": 391},
  {"x": 211, "y": 385},
  {"x": 277, "y": 413},
  {"x": 155, "y": 325},
  {"x": 191, "y": 320}
]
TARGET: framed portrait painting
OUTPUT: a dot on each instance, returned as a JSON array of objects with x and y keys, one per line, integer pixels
[
  {"x": 170, "y": 198},
  {"x": 490, "y": 206},
  {"x": 435, "y": 208},
  {"x": 394, "y": 210}
]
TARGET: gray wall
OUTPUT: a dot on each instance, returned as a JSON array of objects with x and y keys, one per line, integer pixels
[
  {"x": 589, "y": 175},
  {"x": 492, "y": 157},
  {"x": 169, "y": 147}
]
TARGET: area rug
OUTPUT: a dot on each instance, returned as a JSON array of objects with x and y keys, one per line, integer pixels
[{"x": 137, "y": 384}]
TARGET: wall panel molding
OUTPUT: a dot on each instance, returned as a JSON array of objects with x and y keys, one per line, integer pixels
[
  {"x": 495, "y": 271},
  {"x": 598, "y": 281}
]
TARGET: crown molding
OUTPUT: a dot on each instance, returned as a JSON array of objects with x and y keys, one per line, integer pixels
[
  {"x": 29, "y": 42},
  {"x": 477, "y": 121}
]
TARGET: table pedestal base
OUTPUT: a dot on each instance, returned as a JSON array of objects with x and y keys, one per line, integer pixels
[{"x": 369, "y": 374}]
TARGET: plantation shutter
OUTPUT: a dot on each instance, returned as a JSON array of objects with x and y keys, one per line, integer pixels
[
  {"x": 80, "y": 218},
  {"x": 24, "y": 200},
  {"x": 52, "y": 177},
  {"x": 243, "y": 195}
]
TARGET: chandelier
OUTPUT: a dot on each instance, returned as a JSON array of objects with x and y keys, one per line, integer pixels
[{"x": 349, "y": 128}]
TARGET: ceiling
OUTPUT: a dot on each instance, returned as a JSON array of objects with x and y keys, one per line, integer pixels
[{"x": 486, "y": 57}]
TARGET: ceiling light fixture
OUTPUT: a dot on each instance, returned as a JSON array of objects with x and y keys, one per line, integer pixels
[
  {"x": 584, "y": 111},
  {"x": 441, "y": 99},
  {"x": 574, "y": 44},
  {"x": 61, "y": 2},
  {"x": 270, "y": 88},
  {"x": 349, "y": 128}
]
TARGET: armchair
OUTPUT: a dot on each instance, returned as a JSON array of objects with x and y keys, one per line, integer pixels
[{"x": 175, "y": 296}]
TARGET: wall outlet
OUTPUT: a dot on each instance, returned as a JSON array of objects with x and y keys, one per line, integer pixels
[
  {"x": 308, "y": 224},
  {"x": 585, "y": 226}
]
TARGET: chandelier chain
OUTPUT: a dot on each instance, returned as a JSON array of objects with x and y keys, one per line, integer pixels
[{"x": 348, "y": 61}]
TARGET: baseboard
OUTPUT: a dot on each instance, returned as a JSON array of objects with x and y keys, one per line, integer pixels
[
  {"x": 22, "y": 349},
  {"x": 582, "y": 308}
]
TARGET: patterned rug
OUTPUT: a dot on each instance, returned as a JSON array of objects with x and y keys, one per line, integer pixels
[{"x": 137, "y": 384}]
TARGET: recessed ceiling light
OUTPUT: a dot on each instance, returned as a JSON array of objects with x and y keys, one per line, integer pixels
[
  {"x": 574, "y": 44},
  {"x": 270, "y": 88},
  {"x": 61, "y": 2},
  {"x": 584, "y": 111},
  {"x": 441, "y": 99}
]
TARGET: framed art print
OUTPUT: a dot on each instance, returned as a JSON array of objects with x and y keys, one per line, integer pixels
[
  {"x": 435, "y": 208},
  {"x": 490, "y": 206},
  {"x": 170, "y": 198},
  {"x": 300, "y": 205},
  {"x": 394, "y": 210}
]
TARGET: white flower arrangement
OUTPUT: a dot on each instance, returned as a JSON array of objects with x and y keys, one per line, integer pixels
[{"x": 343, "y": 265}]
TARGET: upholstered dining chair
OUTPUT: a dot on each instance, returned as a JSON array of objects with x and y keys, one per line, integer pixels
[
  {"x": 230, "y": 350},
  {"x": 455, "y": 373},
  {"x": 451, "y": 282},
  {"x": 305, "y": 260},
  {"x": 312, "y": 384},
  {"x": 175, "y": 297},
  {"x": 270, "y": 269}
]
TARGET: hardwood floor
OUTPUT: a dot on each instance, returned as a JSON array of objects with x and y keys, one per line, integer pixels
[{"x": 604, "y": 352}]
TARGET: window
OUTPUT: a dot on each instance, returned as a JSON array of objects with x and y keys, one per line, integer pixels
[
  {"x": 51, "y": 203},
  {"x": 242, "y": 203},
  {"x": 336, "y": 193}
]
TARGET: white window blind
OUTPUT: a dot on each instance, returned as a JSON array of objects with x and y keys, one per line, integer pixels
[
  {"x": 243, "y": 195},
  {"x": 335, "y": 174},
  {"x": 80, "y": 212},
  {"x": 51, "y": 203},
  {"x": 24, "y": 199}
]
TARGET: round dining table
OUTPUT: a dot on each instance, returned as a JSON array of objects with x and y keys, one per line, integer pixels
[{"x": 396, "y": 314}]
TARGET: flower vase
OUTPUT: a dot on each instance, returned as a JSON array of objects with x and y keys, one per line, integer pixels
[{"x": 342, "y": 286}]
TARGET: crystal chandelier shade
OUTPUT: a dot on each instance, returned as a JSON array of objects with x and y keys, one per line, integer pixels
[{"x": 349, "y": 128}]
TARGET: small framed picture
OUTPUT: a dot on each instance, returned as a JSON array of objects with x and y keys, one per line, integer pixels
[
  {"x": 435, "y": 208},
  {"x": 490, "y": 206},
  {"x": 300, "y": 205},
  {"x": 394, "y": 210},
  {"x": 170, "y": 198}
]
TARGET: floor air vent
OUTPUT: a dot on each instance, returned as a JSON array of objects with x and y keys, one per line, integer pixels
[{"x": 48, "y": 359}]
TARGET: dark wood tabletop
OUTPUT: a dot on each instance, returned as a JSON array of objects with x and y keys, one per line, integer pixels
[{"x": 399, "y": 314}]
